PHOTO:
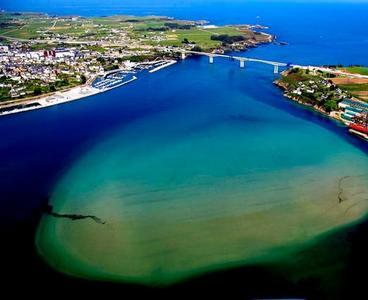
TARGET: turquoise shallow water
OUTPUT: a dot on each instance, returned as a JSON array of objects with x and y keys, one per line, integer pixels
[
  {"x": 217, "y": 159},
  {"x": 225, "y": 172}
]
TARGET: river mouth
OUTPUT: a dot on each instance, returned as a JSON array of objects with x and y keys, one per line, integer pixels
[{"x": 202, "y": 184}]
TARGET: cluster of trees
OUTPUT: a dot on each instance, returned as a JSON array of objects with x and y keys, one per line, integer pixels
[
  {"x": 227, "y": 39},
  {"x": 4, "y": 94},
  {"x": 197, "y": 48},
  {"x": 157, "y": 28},
  {"x": 178, "y": 26},
  {"x": 323, "y": 96},
  {"x": 131, "y": 21},
  {"x": 43, "y": 89},
  {"x": 7, "y": 25},
  {"x": 141, "y": 58},
  {"x": 4, "y": 91},
  {"x": 36, "y": 87},
  {"x": 168, "y": 26},
  {"x": 111, "y": 67},
  {"x": 108, "y": 64}
]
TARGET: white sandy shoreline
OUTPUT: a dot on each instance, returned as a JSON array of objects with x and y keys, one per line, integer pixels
[
  {"x": 73, "y": 94},
  {"x": 55, "y": 99}
]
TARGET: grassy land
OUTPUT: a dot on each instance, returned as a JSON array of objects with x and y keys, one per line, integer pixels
[
  {"x": 324, "y": 95},
  {"x": 195, "y": 35},
  {"x": 36, "y": 87},
  {"x": 359, "y": 91},
  {"x": 200, "y": 36},
  {"x": 358, "y": 87},
  {"x": 363, "y": 87},
  {"x": 311, "y": 89},
  {"x": 149, "y": 30},
  {"x": 356, "y": 70}
]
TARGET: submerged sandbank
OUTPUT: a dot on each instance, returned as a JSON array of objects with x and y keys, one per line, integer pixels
[{"x": 164, "y": 223}]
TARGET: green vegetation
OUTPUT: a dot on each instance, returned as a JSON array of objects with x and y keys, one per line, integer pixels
[
  {"x": 36, "y": 87},
  {"x": 41, "y": 46},
  {"x": 227, "y": 39},
  {"x": 103, "y": 42},
  {"x": 4, "y": 94},
  {"x": 356, "y": 70},
  {"x": 83, "y": 79},
  {"x": 96, "y": 48},
  {"x": 355, "y": 87},
  {"x": 204, "y": 38},
  {"x": 149, "y": 30},
  {"x": 174, "y": 25},
  {"x": 140, "y": 58},
  {"x": 311, "y": 89},
  {"x": 37, "y": 91}
]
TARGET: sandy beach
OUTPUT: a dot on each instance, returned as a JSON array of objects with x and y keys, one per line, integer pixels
[{"x": 57, "y": 98}]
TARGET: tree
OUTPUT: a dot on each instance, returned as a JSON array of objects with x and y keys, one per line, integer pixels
[
  {"x": 101, "y": 60},
  {"x": 197, "y": 48},
  {"x": 37, "y": 91},
  {"x": 83, "y": 79},
  {"x": 65, "y": 82},
  {"x": 330, "y": 105}
]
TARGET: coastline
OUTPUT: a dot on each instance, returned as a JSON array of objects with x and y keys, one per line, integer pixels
[
  {"x": 315, "y": 108},
  {"x": 335, "y": 114},
  {"x": 69, "y": 95}
]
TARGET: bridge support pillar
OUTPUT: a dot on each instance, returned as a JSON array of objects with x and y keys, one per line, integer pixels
[
  {"x": 210, "y": 59},
  {"x": 242, "y": 63},
  {"x": 275, "y": 69},
  {"x": 183, "y": 56}
]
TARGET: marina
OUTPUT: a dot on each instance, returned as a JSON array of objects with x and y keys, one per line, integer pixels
[
  {"x": 103, "y": 83},
  {"x": 113, "y": 80}
]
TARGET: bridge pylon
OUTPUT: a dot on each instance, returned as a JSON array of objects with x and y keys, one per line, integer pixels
[
  {"x": 210, "y": 59},
  {"x": 183, "y": 56},
  {"x": 276, "y": 69},
  {"x": 242, "y": 63}
]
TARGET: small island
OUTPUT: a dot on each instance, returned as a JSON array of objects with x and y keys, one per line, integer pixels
[
  {"x": 47, "y": 60},
  {"x": 336, "y": 91}
]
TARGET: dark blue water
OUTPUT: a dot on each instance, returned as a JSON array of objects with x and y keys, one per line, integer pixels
[
  {"x": 38, "y": 148},
  {"x": 318, "y": 33}
]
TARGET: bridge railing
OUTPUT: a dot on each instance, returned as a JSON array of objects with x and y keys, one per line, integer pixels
[{"x": 240, "y": 58}]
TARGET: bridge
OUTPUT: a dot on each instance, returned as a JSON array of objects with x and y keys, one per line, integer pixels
[{"x": 242, "y": 60}]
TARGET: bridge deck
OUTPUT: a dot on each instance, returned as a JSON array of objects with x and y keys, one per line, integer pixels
[{"x": 240, "y": 58}]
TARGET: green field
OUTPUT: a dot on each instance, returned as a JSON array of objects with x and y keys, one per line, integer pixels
[
  {"x": 355, "y": 87},
  {"x": 199, "y": 36},
  {"x": 151, "y": 30},
  {"x": 322, "y": 95},
  {"x": 356, "y": 70}
]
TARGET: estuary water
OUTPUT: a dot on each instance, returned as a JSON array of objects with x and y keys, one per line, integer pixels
[{"x": 197, "y": 167}]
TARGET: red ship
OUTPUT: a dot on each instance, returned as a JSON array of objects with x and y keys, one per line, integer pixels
[{"x": 359, "y": 127}]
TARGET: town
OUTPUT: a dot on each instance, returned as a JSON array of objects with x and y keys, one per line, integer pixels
[
  {"x": 42, "y": 54},
  {"x": 337, "y": 91}
]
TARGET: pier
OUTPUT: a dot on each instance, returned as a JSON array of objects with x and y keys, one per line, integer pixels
[{"x": 242, "y": 60}]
